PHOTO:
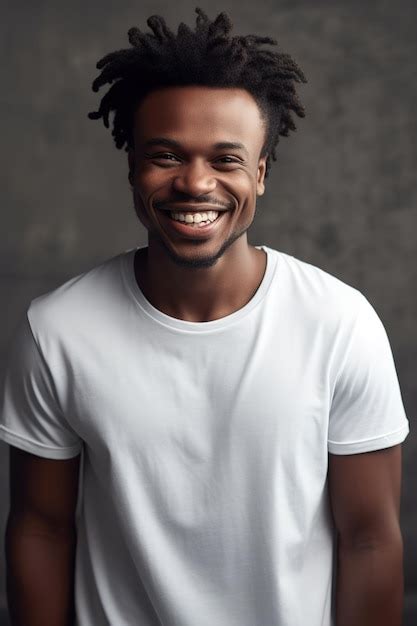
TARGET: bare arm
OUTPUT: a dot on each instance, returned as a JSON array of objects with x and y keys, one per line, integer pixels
[
  {"x": 40, "y": 539},
  {"x": 370, "y": 586},
  {"x": 365, "y": 497}
]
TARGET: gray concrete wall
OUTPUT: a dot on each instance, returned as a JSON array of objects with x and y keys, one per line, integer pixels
[{"x": 341, "y": 196}]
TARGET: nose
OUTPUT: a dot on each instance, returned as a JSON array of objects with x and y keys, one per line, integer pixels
[{"x": 195, "y": 179}]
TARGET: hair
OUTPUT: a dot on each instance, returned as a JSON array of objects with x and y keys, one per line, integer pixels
[{"x": 208, "y": 57}]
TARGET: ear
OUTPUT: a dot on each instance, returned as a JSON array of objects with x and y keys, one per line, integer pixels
[
  {"x": 131, "y": 162},
  {"x": 260, "y": 187}
]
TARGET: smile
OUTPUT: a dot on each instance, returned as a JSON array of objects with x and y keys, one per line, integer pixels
[
  {"x": 193, "y": 230},
  {"x": 194, "y": 217}
]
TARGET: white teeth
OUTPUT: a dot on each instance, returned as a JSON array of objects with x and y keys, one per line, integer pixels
[{"x": 196, "y": 218}]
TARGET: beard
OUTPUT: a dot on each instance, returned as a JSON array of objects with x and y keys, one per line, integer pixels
[{"x": 192, "y": 261}]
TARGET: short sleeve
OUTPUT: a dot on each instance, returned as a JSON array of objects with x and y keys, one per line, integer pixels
[
  {"x": 367, "y": 411},
  {"x": 30, "y": 416}
]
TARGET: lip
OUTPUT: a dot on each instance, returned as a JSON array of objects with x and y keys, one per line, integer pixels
[
  {"x": 192, "y": 232},
  {"x": 194, "y": 208}
]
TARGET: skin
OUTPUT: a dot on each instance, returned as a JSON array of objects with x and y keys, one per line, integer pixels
[{"x": 191, "y": 279}]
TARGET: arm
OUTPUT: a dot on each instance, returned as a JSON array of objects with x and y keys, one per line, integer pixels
[
  {"x": 364, "y": 493},
  {"x": 40, "y": 539}
]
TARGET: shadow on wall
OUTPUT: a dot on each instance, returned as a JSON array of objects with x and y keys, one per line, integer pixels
[{"x": 4, "y": 619}]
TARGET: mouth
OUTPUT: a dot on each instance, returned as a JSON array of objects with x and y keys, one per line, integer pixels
[{"x": 192, "y": 230}]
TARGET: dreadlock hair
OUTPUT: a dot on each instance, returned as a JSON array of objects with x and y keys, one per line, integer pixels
[{"x": 210, "y": 57}]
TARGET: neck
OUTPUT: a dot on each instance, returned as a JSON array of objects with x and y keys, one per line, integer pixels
[{"x": 198, "y": 292}]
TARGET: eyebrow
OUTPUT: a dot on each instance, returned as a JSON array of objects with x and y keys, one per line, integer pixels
[{"x": 220, "y": 145}]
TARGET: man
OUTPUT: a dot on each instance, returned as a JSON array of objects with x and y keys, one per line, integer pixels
[{"x": 238, "y": 410}]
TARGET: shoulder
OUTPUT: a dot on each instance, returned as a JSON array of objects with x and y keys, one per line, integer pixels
[
  {"x": 318, "y": 296},
  {"x": 78, "y": 302}
]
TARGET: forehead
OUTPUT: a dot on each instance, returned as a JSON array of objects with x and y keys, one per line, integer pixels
[{"x": 197, "y": 112}]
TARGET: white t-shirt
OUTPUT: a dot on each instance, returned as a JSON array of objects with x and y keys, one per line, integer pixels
[{"x": 205, "y": 444}]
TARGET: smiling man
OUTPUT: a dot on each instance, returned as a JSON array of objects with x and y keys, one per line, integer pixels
[
  {"x": 237, "y": 410},
  {"x": 196, "y": 172}
]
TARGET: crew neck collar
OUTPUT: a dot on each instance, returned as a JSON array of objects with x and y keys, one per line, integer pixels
[{"x": 128, "y": 271}]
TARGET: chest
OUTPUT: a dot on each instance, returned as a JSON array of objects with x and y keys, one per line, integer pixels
[{"x": 260, "y": 398}]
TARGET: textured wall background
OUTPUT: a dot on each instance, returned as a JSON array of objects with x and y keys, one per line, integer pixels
[{"x": 341, "y": 196}]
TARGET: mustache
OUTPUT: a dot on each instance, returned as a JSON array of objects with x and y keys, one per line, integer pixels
[{"x": 201, "y": 200}]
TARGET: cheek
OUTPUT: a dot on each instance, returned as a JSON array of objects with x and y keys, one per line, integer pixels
[
  {"x": 242, "y": 179},
  {"x": 147, "y": 177},
  {"x": 147, "y": 183},
  {"x": 242, "y": 185},
  {"x": 140, "y": 198}
]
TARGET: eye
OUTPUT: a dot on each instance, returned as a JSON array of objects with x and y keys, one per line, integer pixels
[
  {"x": 231, "y": 159},
  {"x": 167, "y": 156},
  {"x": 161, "y": 156}
]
